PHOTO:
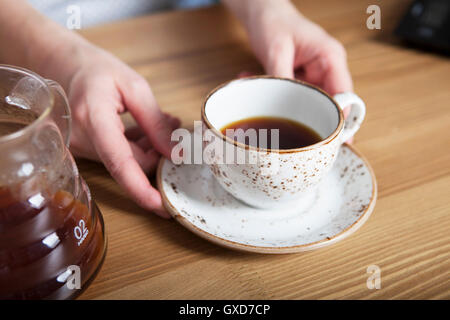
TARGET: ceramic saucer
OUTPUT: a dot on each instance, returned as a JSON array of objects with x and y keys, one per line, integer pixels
[{"x": 344, "y": 201}]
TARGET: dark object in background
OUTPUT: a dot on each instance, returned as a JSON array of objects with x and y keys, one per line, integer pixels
[{"x": 427, "y": 23}]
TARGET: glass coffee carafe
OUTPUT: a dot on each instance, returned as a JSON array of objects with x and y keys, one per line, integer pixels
[{"x": 52, "y": 239}]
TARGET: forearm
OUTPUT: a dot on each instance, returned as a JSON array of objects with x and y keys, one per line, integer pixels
[{"x": 32, "y": 41}]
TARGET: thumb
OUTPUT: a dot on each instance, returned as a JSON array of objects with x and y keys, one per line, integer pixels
[{"x": 280, "y": 62}]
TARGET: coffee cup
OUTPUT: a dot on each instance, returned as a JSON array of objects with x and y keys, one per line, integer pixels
[{"x": 271, "y": 178}]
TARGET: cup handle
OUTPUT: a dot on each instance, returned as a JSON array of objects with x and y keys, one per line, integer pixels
[
  {"x": 357, "y": 113},
  {"x": 61, "y": 111}
]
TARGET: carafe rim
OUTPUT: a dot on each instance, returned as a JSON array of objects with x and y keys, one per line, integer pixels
[{"x": 41, "y": 117}]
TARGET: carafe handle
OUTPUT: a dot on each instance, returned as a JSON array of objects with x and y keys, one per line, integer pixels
[{"x": 61, "y": 111}]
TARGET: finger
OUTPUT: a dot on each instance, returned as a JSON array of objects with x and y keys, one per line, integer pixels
[
  {"x": 173, "y": 121},
  {"x": 117, "y": 155},
  {"x": 147, "y": 158},
  {"x": 142, "y": 105},
  {"x": 144, "y": 143},
  {"x": 135, "y": 133},
  {"x": 137, "y": 137},
  {"x": 142, "y": 149},
  {"x": 281, "y": 60},
  {"x": 315, "y": 70},
  {"x": 337, "y": 78},
  {"x": 245, "y": 74}
]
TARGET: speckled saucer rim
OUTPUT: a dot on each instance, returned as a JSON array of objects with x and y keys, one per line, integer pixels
[{"x": 272, "y": 250}]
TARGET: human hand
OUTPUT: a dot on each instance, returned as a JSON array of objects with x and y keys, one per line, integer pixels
[
  {"x": 100, "y": 87},
  {"x": 289, "y": 45}
]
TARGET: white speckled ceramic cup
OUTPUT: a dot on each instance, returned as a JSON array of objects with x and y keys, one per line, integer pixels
[{"x": 287, "y": 176}]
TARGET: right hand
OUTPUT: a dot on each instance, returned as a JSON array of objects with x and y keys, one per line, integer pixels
[
  {"x": 289, "y": 45},
  {"x": 100, "y": 87}
]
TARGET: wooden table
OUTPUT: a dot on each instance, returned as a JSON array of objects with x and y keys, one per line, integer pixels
[{"x": 405, "y": 137}]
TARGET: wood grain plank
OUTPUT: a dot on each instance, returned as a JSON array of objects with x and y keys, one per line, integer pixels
[
  {"x": 407, "y": 261},
  {"x": 405, "y": 136}
]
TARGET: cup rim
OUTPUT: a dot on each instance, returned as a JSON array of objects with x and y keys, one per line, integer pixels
[
  {"x": 325, "y": 141},
  {"x": 28, "y": 128}
]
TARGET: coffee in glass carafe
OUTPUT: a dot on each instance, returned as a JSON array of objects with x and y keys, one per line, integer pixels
[{"x": 52, "y": 239}]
